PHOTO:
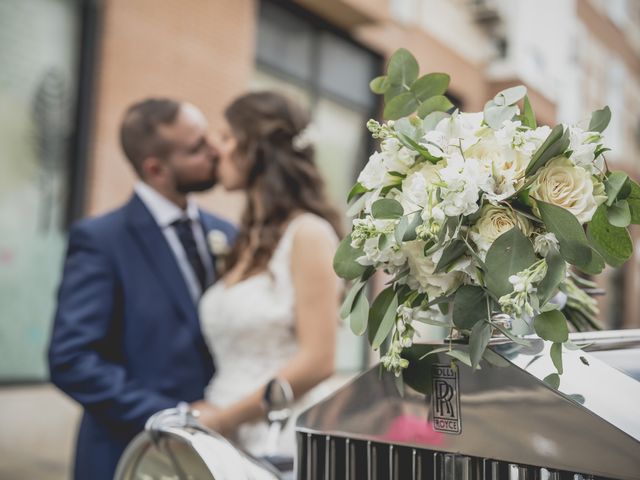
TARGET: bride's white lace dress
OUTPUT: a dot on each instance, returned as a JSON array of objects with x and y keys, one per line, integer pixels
[{"x": 250, "y": 328}]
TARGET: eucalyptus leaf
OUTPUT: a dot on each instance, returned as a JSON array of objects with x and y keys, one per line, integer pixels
[
  {"x": 480, "y": 336},
  {"x": 553, "y": 380},
  {"x": 528, "y": 117},
  {"x": 407, "y": 128},
  {"x": 401, "y": 229},
  {"x": 613, "y": 185},
  {"x": 430, "y": 85},
  {"x": 509, "y": 254},
  {"x": 574, "y": 246},
  {"x": 551, "y": 326},
  {"x": 386, "y": 208},
  {"x": 403, "y": 68},
  {"x": 555, "y": 145},
  {"x": 496, "y": 115},
  {"x": 460, "y": 355},
  {"x": 400, "y": 106},
  {"x": 619, "y": 214},
  {"x": 556, "y": 356},
  {"x": 379, "y": 85},
  {"x": 495, "y": 359},
  {"x": 469, "y": 306},
  {"x": 633, "y": 199},
  {"x": 510, "y": 96},
  {"x": 613, "y": 243},
  {"x": 600, "y": 120},
  {"x": 415, "y": 221},
  {"x": 349, "y": 300},
  {"x": 382, "y": 316},
  {"x": 556, "y": 273},
  {"x": 450, "y": 254},
  {"x": 430, "y": 122},
  {"x": 439, "y": 103},
  {"x": 359, "y": 314},
  {"x": 344, "y": 261}
]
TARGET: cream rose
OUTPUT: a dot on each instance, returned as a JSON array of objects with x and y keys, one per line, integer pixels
[
  {"x": 493, "y": 222},
  {"x": 573, "y": 188}
]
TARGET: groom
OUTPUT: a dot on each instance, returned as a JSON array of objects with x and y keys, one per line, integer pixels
[{"x": 126, "y": 341}]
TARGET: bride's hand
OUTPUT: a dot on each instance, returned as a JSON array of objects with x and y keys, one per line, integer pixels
[{"x": 212, "y": 417}]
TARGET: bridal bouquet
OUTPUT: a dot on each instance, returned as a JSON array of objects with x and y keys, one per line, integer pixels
[{"x": 478, "y": 216}]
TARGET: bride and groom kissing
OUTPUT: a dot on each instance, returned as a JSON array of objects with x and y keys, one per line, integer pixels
[{"x": 148, "y": 317}]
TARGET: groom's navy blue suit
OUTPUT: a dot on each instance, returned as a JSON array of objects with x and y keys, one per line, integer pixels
[{"x": 126, "y": 341}]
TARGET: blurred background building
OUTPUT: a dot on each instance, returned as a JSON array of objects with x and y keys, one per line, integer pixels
[{"x": 69, "y": 69}]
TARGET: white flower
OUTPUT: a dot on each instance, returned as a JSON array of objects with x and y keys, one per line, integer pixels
[
  {"x": 583, "y": 146},
  {"x": 397, "y": 157},
  {"x": 461, "y": 183},
  {"x": 415, "y": 187},
  {"x": 493, "y": 222},
  {"x": 421, "y": 271},
  {"x": 218, "y": 243},
  {"x": 543, "y": 243},
  {"x": 390, "y": 256},
  {"x": 573, "y": 188},
  {"x": 374, "y": 172},
  {"x": 435, "y": 142},
  {"x": 461, "y": 128}
]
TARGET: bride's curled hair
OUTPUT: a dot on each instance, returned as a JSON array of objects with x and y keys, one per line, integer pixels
[{"x": 281, "y": 174}]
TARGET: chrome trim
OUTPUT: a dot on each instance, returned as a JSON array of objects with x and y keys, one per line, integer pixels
[{"x": 561, "y": 430}]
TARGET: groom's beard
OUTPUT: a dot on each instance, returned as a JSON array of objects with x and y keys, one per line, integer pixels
[{"x": 184, "y": 186}]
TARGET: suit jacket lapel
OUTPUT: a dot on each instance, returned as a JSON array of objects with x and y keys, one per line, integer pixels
[
  {"x": 158, "y": 253},
  {"x": 207, "y": 226}
]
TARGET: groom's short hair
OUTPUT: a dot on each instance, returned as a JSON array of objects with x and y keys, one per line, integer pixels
[{"x": 139, "y": 135}]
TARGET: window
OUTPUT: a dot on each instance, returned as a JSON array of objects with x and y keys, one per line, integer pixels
[
  {"x": 39, "y": 85},
  {"x": 329, "y": 74}
]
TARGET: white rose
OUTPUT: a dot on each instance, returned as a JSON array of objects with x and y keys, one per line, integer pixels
[
  {"x": 573, "y": 188},
  {"x": 218, "y": 242},
  {"x": 421, "y": 271},
  {"x": 493, "y": 222}
]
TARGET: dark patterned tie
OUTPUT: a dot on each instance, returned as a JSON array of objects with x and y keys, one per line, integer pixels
[{"x": 185, "y": 234}]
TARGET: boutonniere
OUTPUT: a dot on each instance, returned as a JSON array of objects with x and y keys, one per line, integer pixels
[{"x": 219, "y": 246}]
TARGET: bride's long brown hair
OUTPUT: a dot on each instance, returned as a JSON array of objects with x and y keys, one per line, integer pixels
[{"x": 283, "y": 178}]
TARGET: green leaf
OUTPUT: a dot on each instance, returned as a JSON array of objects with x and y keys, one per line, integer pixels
[
  {"x": 574, "y": 246},
  {"x": 553, "y": 380},
  {"x": 613, "y": 243},
  {"x": 430, "y": 85},
  {"x": 386, "y": 208},
  {"x": 401, "y": 229},
  {"x": 400, "y": 106},
  {"x": 439, "y": 103},
  {"x": 495, "y": 359},
  {"x": 510, "y": 95},
  {"x": 430, "y": 122},
  {"x": 556, "y": 144},
  {"x": 379, "y": 85},
  {"x": 619, "y": 214},
  {"x": 393, "y": 91},
  {"x": 360, "y": 314},
  {"x": 349, "y": 300},
  {"x": 495, "y": 115},
  {"x": 403, "y": 68},
  {"x": 414, "y": 223},
  {"x": 556, "y": 270},
  {"x": 344, "y": 261},
  {"x": 450, "y": 254},
  {"x": 357, "y": 189},
  {"x": 599, "y": 120},
  {"x": 382, "y": 316},
  {"x": 412, "y": 144},
  {"x": 469, "y": 306},
  {"x": 556, "y": 356},
  {"x": 613, "y": 184},
  {"x": 480, "y": 336},
  {"x": 460, "y": 355},
  {"x": 551, "y": 326},
  {"x": 509, "y": 254},
  {"x": 633, "y": 199},
  {"x": 528, "y": 117}
]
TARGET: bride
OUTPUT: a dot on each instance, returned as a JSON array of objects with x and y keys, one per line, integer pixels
[{"x": 274, "y": 312}]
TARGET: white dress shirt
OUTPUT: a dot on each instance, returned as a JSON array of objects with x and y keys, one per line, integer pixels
[{"x": 165, "y": 212}]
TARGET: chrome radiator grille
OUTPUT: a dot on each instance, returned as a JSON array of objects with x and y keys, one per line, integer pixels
[
  {"x": 324, "y": 457},
  {"x": 501, "y": 423}
]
